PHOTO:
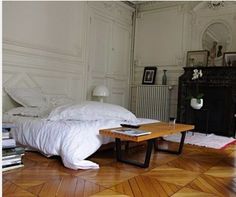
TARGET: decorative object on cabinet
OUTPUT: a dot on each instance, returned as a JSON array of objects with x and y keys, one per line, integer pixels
[
  {"x": 216, "y": 38},
  {"x": 101, "y": 91},
  {"x": 212, "y": 54},
  {"x": 229, "y": 59},
  {"x": 218, "y": 85},
  {"x": 164, "y": 78},
  {"x": 149, "y": 75},
  {"x": 197, "y": 58},
  {"x": 196, "y": 101}
]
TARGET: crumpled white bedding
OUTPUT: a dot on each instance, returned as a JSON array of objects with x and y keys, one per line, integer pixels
[{"x": 73, "y": 141}]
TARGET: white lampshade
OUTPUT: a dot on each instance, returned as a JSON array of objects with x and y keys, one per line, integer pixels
[{"x": 101, "y": 90}]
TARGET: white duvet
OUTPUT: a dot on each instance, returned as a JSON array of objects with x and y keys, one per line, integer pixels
[
  {"x": 70, "y": 131},
  {"x": 73, "y": 141}
]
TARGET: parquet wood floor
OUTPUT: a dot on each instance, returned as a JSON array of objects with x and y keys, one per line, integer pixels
[{"x": 197, "y": 172}]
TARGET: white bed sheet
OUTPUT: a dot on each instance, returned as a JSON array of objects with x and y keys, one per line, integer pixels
[{"x": 73, "y": 141}]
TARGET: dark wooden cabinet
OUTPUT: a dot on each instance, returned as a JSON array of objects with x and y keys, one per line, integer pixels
[{"x": 218, "y": 114}]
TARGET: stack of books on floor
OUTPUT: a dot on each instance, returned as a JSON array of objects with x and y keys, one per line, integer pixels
[{"x": 11, "y": 153}]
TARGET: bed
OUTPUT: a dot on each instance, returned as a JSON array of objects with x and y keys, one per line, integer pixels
[{"x": 67, "y": 129}]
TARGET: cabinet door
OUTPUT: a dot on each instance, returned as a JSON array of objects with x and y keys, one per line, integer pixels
[
  {"x": 120, "y": 54},
  {"x": 99, "y": 44},
  {"x": 99, "y": 40},
  {"x": 119, "y": 65},
  {"x": 109, "y": 57}
]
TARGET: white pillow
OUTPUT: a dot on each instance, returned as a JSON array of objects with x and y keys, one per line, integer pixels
[
  {"x": 91, "y": 110},
  {"x": 27, "y": 97},
  {"x": 29, "y": 111}
]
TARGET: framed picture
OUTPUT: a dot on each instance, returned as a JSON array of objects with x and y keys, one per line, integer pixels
[
  {"x": 149, "y": 75},
  {"x": 229, "y": 59},
  {"x": 197, "y": 58}
]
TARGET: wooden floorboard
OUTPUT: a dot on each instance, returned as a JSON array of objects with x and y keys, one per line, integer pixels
[{"x": 196, "y": 172}]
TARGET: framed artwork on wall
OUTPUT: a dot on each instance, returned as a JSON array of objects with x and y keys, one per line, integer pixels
[
  {"x": 197, "y": 58},
  {"x": 229, "y": 59},
  {"x": 149, "y": 75}
]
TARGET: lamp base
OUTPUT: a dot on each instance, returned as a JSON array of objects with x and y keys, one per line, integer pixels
[{"x": 101, "y": 99}]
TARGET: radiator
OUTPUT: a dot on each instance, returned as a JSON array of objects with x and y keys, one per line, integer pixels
[{"x": 152, "y": 101}]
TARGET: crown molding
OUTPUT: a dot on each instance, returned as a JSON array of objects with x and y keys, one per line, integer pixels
[{"x": 155, "y": 5}]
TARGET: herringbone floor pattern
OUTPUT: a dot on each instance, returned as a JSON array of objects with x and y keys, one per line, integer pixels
[{"x": 196, "y": 172}]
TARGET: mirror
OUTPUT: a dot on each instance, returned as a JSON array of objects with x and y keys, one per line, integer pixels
[{"x": 216, "y": 39}]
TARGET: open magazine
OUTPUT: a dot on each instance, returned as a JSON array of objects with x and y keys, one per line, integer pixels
[{"x": 131, "y": 132}]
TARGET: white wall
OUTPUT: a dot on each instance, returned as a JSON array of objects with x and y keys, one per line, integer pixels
[
  {"x": 165, "y": 32},
  {"x": 45, "y": 44}
]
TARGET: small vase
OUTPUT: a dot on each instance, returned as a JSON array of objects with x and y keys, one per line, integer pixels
[
  {"x": 194, "y": 103},
  {"x": 164, "y": 78}
]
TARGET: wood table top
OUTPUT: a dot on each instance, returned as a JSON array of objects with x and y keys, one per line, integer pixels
[{"x": 158, "y": 129}]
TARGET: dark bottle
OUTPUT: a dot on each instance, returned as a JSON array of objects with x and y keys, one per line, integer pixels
[{"x": 164, "y": 78}]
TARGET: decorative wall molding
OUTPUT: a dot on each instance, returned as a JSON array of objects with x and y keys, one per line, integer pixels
[
  {"x": 192, "y": 18},
  {"x": 26, "y": 48},
  {"x": 51, "y": 82},
  {"x": 159, "y": 5},
  {"x": 42, "y": 52},
  {"x": 22, "y": 59},
  {"x": 203, "y": 17},
  {"x": 49, "y": 29},
  {"x": 114, "y": 10}
]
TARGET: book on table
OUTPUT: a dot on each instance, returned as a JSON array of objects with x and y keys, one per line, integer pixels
[{"x": 131, "y": 132}]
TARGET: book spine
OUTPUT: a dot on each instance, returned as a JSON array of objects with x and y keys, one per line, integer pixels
[
  {"x": 8, "y": 143},
  {"x": 8, "y": 125},
  {"x": 12, "y": 151},
  {"x": 10, "y": 167},
  {"x": 12, "y": 156},
  {"x": 8, "y": 146},
  {"x": 5, "y": 131},
  {"x": 10, "y": 162},
  {"x": 5, "y": 136}
]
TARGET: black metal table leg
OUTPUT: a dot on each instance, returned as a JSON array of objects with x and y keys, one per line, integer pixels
[
  {"x": 181, "y": 144},
  {"x": 146, "y": 162}
]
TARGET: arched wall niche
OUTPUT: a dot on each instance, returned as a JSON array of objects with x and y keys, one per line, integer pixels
[{"x": 204, "y": 17}]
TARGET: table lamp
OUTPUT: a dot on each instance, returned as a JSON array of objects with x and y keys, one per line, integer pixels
[{"x": 101, "y": 91}]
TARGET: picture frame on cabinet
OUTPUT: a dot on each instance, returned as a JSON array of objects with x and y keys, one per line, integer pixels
[
  {"x": 229, "y": 59},
  {"x": 197, "y": 58},
  {"x": 149, "y": 75}
]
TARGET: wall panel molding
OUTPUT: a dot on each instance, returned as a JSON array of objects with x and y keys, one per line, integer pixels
[
  {"x": 36, "y": 50},
  {"x": 114, "y": 10},
  {"x": 51, "y": 82},
  {"x": 23, "y": 59}
]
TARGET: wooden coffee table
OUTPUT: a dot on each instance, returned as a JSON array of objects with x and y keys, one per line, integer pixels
[{"x": 157, "y": 130}]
